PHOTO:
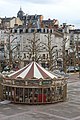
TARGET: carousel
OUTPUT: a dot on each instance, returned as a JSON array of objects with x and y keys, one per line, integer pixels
[{"x": 33, "y": 84}]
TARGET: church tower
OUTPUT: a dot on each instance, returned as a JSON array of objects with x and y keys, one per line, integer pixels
[{"x": 20, "y": 14}]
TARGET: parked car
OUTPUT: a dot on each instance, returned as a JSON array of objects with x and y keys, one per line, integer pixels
[
  {"x": 72, "y": 68},
  {"x": 77, "y": 68},
  {"x": 6, "y": 69},
  {"x": 5, "y": 102},
  {"x": 61, "y": 73}
]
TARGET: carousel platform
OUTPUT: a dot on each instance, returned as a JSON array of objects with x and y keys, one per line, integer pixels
[{"x": 33, "y": 84}]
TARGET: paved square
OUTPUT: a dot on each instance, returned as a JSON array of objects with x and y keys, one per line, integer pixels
[{"x": 69, "y": 110}]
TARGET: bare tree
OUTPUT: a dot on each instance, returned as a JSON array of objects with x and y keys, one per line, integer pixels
[
  {"x": 78, "y": 51},
  {"x": 50, "y": 49},
  {"x": 33, "y": 48}
]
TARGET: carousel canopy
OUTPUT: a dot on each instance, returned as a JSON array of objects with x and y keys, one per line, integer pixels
[
  {"x": 1, "y": 75},
  {"x": 32, "y": 70}
]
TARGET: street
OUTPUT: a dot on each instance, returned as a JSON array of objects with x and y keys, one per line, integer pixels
[{"x": 68, "y": 110}]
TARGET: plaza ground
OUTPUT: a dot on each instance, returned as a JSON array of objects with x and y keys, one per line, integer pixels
[{"x": 68, "y": 110}]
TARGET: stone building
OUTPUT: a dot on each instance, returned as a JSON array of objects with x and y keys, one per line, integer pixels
[
  {"x": 20, "y": 38},
  {"x": 26, "y": 35}
]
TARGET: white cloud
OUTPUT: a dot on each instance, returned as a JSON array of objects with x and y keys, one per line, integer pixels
[{"x": 43, "y": 1}]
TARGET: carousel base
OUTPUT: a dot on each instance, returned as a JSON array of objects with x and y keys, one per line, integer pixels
[
  {"x": 37, "y": 103},
  {"x": 34, "y": 95}
]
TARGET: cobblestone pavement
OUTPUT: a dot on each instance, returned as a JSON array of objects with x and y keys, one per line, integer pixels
[{"x": 69, "y": 110}]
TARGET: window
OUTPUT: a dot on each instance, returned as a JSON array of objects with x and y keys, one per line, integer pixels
[
  {"x": 47, "y": 55},
  {"x": 43, "y": 56},
  {"x": 24, "y": 55}
]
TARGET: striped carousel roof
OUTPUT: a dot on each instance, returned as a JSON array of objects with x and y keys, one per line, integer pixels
[
  {"x": 32, "y": 70},
  {"x": 1, "y": 75}
]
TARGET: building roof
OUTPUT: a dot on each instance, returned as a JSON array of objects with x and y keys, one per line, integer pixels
[{"x": 32, "y": 70}]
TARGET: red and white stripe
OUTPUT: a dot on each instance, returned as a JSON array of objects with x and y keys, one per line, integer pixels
[{"x": 32, "y": 70}]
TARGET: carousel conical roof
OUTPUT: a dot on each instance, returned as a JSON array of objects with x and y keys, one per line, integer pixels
[{"x": 32, "y": 70}]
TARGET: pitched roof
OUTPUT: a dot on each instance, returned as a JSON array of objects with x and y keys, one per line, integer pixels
[{"x": 32, "y": 70}]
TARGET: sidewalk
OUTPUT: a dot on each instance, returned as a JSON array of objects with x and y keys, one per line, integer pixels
[{"x": 73, "y": 77}]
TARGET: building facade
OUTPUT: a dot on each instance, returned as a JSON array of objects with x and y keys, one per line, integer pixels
[{"x": 20, "y": 42}]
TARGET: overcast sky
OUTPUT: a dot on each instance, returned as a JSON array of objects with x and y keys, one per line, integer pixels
[{"x": 64, "y": 10}]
